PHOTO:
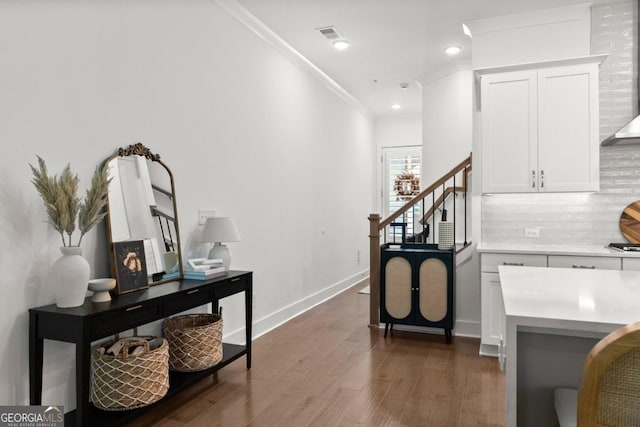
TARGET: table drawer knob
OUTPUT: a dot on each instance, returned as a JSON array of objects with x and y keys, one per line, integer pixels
[
  {"x": 193, "y": 291},
  {"x": 135, "y": 307},
  {"x": 235, "y": 280}
]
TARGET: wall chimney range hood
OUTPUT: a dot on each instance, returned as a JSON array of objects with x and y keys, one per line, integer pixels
[{"x": 628, "y": 134}]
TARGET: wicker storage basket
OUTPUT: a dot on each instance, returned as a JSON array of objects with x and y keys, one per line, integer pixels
[
  {"x": 126, "y": 382},
  {"x": 195, "y": 341}
]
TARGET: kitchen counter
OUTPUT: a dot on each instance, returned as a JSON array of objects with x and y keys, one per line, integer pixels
[
  {"x": 576, "y": 250},
  {"x": 554, "y": 316}
]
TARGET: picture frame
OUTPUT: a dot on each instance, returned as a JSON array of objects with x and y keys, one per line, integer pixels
[{"x": 130, "y": 266}]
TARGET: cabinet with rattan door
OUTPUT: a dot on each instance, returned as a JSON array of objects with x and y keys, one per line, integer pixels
[{"x": 417, "y": 286}]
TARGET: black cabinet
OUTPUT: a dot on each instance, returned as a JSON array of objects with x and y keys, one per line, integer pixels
[
  {"x": 417, "y": 286},
  {"x": 91, "y": 321}
]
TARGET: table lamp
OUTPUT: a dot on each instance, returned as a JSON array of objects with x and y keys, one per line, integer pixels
[{"x": 218, "y": 230}]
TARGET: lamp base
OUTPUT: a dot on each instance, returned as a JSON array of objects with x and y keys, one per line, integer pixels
[{"x": 222, "y": 252}]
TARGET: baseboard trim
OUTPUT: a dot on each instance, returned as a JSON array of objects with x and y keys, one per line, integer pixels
[
  {"x": 279, "y": 317},
  {"x": 488, "y": 350}
]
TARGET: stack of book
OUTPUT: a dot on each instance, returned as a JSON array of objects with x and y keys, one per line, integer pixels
[{"x": 203, "y": 270}]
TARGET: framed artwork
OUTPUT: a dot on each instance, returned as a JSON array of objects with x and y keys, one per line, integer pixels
[{"x": 131, "y": 266}]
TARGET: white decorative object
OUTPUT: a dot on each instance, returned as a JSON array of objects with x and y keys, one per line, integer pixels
[
  {"x": 101, "y": 288},
  {"x": 445, "y": 235},
  {"x": 218, "y": 230},
  {"x": 70, "y": 275}
]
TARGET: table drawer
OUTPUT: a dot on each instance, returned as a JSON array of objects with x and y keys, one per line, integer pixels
[
  {"x": 589, "y": 262},
  {"x": 187, "y": 299},
  {"x": 490, "y": 262},
  {"x": 125, "y": 318},
  {"x": 230, "y": 286}
]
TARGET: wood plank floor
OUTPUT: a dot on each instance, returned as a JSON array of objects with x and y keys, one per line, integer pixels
[{"x": 328, "y": 368}]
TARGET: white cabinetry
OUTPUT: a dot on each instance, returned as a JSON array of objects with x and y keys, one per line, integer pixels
[
  {"x": 540, "y": 130},
  {"x": 631, "y": 264},
  {"x": 588, "y": 262},
  {"x": 492, "y": 306}
]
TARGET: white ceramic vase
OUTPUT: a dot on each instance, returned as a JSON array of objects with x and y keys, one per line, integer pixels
[{"x": 70, "y": 274}]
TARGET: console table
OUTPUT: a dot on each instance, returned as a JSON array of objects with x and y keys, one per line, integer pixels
[{"x": 93, "y": 321}]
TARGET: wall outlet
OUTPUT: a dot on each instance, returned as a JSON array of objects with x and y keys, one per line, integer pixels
[
  {"x": 532, "y": 232},
  {"x": 203, "y": 214}
]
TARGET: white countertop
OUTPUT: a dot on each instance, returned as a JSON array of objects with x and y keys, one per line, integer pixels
[
  {"x": 574, "y": 250},
  {"x": 562, "y": 301},
  {"x": 570, "y": 299}
]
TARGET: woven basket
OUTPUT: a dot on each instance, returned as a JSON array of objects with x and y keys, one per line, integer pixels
[
  {"x": 195, "y": 341},
  {"x": 126, "y": 382}
]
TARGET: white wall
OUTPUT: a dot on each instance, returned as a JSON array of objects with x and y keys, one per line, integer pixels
[
  {"x": 447, "y": 122},
  {"x": 398, "y": 130},
  {"x": 447, "y": 99},
  {"x": 244, "y": 131},
  {"x": 535, "y": 36}
]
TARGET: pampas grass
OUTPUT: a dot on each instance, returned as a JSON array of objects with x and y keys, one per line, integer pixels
[{"x": 64, "y": 207}]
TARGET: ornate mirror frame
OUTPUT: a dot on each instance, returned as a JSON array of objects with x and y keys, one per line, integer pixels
[{"x": 142, "y": 233}]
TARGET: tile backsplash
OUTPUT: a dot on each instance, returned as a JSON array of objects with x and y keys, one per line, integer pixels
[{"x": 585, "y": 218}]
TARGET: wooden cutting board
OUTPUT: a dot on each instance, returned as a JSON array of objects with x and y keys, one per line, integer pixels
[{"x": 630, "y": 222}]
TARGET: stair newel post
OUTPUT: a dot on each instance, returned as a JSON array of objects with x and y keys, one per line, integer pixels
[{"x": 374, "y": 268}]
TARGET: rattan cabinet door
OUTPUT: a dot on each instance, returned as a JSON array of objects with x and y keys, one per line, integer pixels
[
  {"x": 433, "y": 289},
  {"x": 398, "y": 287}
]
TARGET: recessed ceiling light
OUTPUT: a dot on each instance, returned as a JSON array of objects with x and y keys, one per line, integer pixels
[
  {"x": 452, "y": 50},
  {"x": 341, "y": 44},
  {"x": 396, "y": 106}
]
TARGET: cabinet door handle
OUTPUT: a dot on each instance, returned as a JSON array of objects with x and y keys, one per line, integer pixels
[
  {"x": 193, "y": 291},
  {"x": 541, "y": 178},
  {"x": 519, "y": 264},
  {"x": 533, "y": 179},
  {"x": 235, "y": 280},
  {"x": 135, "y": 307},
  {"x": 590, "y": 267}
]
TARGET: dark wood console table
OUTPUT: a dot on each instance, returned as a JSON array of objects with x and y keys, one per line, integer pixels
[{"x": 93, "y": 321}]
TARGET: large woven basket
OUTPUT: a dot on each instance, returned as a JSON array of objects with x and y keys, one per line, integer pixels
[
  {"x": 126, "y": 382},
  {"x": 195, "y": 341}
]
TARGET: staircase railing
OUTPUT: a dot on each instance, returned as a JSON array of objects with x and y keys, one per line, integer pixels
[{"x": 433, "y": 198}]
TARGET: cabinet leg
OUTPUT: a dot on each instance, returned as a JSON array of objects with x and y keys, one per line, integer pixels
[
  {"x": 386, "y": 329},
  {"x": 447, "y": 336}
]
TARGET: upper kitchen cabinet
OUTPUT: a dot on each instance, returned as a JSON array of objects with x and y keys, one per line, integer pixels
[{"x": 540, "y": 129}]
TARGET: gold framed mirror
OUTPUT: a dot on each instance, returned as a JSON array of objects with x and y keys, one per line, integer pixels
[{"x": 142, "y": 220}]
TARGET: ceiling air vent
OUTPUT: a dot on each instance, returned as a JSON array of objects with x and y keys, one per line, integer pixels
[
  {"x": 335, "y": 38},
  {"x": 331, "y": 33}
]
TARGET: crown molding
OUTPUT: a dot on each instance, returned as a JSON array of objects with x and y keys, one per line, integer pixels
[
  {"x": 257, "y": 27},
  {"x": 528, "y": 19}
]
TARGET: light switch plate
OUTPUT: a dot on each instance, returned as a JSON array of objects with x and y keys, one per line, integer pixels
[
  {"x": 203, "y": 214},
  {"x": 532, "y": 232}
]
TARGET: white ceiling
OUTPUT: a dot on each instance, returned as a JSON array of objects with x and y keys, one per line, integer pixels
[{"x": 392, "y": 41}]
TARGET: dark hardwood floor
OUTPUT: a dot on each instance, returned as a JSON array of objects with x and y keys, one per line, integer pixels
[{"x": 328, "y": 368}]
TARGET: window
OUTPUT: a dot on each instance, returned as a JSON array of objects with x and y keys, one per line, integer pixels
[{"x": 396, "y": 162}]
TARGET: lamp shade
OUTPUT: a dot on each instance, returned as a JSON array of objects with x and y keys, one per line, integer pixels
[{"x": 220, "y": 230}]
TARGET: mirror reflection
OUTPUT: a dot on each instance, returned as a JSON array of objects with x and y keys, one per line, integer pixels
[{"x": 142, "y": 214}]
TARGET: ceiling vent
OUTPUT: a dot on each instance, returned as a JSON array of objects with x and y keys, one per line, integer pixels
[{"x": 331, "y": 33}]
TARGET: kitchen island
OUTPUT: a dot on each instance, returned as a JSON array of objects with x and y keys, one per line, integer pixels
[{"x": 554, "y": 316}]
